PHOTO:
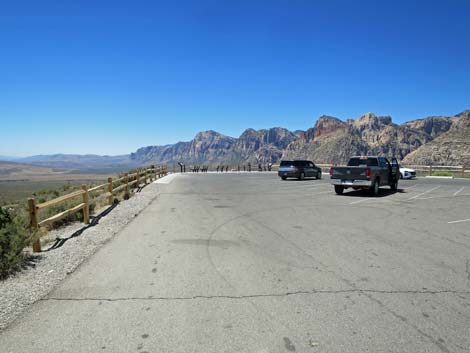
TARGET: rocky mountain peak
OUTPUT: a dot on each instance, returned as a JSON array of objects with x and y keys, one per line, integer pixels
[
  {"x": 211, "y": 134},
  {"x": 248, "y": 132},
  {"x": 371, "y": 121},
  {"x": 462, "y": 121},
  {"x": 465, "y": 112},
  {"x": 326, "y": 125}
]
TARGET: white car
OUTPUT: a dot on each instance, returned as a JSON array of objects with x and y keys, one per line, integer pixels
[{"x": 407, "y": 173}]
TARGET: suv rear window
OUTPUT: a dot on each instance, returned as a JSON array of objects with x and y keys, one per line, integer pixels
[
  {"x": 369, "y": 162},
  {"x": 286, "y": 163},
  {"x": 301, "y": 163}
]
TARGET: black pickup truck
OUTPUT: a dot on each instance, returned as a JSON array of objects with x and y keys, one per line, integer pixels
[{"x": 366, "y": 172}]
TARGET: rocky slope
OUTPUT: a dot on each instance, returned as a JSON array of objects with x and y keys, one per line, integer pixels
[
  {"x": 334, "y": 141},
  {"x": 210, "y": 147},
  {"x": 437, "y": 139},
  {"x": 450, "y": 148}
]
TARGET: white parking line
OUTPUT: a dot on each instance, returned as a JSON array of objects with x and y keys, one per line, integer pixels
[
  {"x": 410, "y": 187},
  {"x": 362, "y": 200},
  {"x": 460, "y": 221},
  {"x": 459, "y": 190},
  {"x": 423, "y": 193},
  {"x": 324, "y": 192}
]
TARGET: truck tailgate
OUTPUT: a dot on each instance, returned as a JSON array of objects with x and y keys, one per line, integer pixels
[{"x": 349, "y": 173}]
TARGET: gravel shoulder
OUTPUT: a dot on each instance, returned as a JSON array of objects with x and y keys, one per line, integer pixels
[{"x": 49, "y": 268}]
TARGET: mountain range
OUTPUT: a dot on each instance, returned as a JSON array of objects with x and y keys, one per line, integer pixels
[{"x": 440, "y": 140}]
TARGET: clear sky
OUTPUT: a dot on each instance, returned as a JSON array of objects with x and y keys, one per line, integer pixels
[{"x": 107, "y": 77}]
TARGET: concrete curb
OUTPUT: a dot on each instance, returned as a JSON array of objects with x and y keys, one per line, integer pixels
[{"x": 439, "y": 177}]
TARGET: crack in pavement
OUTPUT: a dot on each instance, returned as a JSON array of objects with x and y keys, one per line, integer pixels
[
  {"x": 468, "y": 269},
  {"x": 272, "y": 295}
]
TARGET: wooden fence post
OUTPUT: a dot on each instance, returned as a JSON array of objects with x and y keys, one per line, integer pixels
[
  {"x": 86, "y": 207},
  {"x": 126, "y": 180},
  {"x": 463, "y": 171},
  {"x": 430, "y": 170},
  {"x": 152, "y": 173},
  {"x": 33, "y": 216},
  {"x": 110, "y": 191}
]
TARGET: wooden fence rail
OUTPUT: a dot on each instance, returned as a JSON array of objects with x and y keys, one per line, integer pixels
[{"x": 108, "y": 189}]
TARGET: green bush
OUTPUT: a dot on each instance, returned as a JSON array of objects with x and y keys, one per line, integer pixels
[{"x": 15, "y": 235}]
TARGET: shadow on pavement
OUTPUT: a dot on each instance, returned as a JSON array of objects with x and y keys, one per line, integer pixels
[
  {"x": 94, "y": 221},
  {"x": 365, "y": 193}
]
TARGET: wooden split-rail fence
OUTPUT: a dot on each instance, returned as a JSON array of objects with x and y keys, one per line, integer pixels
[{"x": 125, "y": 183}]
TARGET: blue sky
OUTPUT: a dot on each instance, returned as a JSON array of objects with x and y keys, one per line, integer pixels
[{"x": 107, "y": 77}]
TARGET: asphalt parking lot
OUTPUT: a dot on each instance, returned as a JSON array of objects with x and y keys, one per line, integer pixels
[{"x": 250, "y": 263}]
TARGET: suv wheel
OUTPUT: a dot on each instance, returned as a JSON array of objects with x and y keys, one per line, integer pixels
[
  {"x": 319, "y": 175},
  {"x": 302, "y": 176},
  {"x": 283, "y": 178}
]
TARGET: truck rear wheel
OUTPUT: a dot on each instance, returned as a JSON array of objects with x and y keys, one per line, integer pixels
[
  {"x": 374, "y": 188},
  {"x": 339, "y": 189}
]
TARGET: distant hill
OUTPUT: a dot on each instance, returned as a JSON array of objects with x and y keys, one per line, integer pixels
[
  {"x": 12, "y": 171},
  {"x": 8, "y": 158},
  {"x": 86, "y": 161}
]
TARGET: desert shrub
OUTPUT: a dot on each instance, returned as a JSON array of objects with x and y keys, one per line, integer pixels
[
  {"x": 442, "y": 173},
  {"x": 5, "y": 217},
  {"x": 14, "y": 237}
]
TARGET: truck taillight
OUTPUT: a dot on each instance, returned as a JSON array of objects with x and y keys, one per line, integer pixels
[
  {"x": 368, "y": 173},
  {"x": 331, "y": 171}
]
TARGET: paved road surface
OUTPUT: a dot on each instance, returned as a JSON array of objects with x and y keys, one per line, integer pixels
[{"x": 249, "y": 263}]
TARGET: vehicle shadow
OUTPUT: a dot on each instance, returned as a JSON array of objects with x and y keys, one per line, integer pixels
[
  {"x": 365, "y": 193},
  {"x": 304, "y": 179}
]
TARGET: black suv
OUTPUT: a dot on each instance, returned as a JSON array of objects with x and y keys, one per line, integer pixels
[{"x": 298, "y": 169}]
